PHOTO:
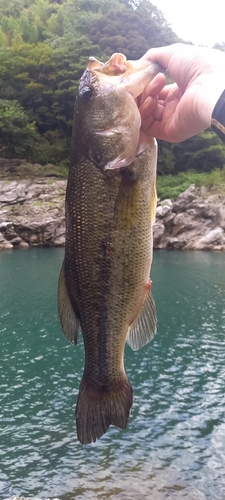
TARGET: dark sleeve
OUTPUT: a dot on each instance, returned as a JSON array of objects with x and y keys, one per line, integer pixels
[{"x": 218, "y": 117}]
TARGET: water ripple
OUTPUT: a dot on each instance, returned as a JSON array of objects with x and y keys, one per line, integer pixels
[{"x": 174, "y": 446}]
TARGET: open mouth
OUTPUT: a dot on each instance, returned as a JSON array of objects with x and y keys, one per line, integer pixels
[{"x": 132, "y": 78}]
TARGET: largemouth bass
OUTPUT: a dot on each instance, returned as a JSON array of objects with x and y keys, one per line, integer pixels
[{"x": 104, "y": 285}]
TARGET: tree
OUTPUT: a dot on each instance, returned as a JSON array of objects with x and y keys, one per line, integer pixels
[
  {"x": 166, "y": 158},
  {"x": 130, "y": 31},
  {"x": 29, "y": 31},
  {"x": 17, "y": 134},
  {"x": 12, "y": 8},
  {"x": 203, "y": 153},
  {"x": 44, "y": 47}
]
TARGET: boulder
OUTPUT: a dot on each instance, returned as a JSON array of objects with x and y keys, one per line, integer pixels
[
  {"x": 214, "y": 238},
  {"x": 195, "y": 221}
]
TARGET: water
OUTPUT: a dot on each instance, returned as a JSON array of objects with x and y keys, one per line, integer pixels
[{"x": 174, "y": 446}]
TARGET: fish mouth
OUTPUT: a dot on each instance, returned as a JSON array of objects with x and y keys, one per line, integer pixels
[
  {"x": 121, "y": 75},
  {"x": 132, "y": 75}
]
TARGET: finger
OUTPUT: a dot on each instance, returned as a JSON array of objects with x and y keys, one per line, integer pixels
[
  {"x": 154, "y": 87},
  {"x": 167, "y": 90},
  {"x": 158, "y": 112},
  {"x": 148, "y": 106},
  {"x": 161, "y": 55},
  {"x": 155, "y": 116},
  {"x": 164, "y": 55},
  {"x": 153, "y": 129},
  {"x": 147, "y": 123}
]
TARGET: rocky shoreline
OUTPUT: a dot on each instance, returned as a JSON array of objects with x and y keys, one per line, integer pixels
[
  {"x": 32, "y": 215},
  {"x": 195, "y": 221}
]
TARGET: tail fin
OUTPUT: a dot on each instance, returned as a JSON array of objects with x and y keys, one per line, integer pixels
[{"x": 98, "y": 409}]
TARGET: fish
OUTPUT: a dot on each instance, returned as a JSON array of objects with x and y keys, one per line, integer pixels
[{"x": 104, "y": 287}]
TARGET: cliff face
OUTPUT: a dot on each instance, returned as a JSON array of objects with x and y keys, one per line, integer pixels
[
  {"x": 32, "y": 214},
  {"x": 195, "y": 221}
]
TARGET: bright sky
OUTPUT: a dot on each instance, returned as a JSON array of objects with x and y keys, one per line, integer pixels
[{"x": 200, "y": 21}]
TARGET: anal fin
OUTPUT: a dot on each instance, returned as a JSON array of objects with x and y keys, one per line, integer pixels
[
  {"x": 143, "y": 329},
  {"x": 69, "y": 321}
]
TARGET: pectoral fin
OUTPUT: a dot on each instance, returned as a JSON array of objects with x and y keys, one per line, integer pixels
[
  {"x": 69, "y": 321},
  {"x": 143, "y": 329}
]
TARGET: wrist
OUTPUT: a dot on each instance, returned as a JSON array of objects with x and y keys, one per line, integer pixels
[{"x": 207, "y": 97}]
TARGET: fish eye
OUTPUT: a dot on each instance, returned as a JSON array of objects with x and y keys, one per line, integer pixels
[{"x": 86, "y": 93}]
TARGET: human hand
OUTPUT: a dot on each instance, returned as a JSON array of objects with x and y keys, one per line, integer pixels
[{"x": 180, "y": 110}]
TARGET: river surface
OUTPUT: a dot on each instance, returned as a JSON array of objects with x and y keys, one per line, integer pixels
[{"x": 174, "y": 445}]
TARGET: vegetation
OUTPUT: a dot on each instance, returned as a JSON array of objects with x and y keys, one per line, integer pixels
[
  {"x": 44, "y": 46},
  {"x": 170, "y": 186}
]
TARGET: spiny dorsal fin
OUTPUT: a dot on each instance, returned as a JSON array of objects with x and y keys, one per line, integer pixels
[
  {"x": 69, "y": 321},
  {"x": 143, "y": 328}
]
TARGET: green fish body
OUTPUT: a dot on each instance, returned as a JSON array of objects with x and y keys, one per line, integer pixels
[{"x": 104, "y": 285}]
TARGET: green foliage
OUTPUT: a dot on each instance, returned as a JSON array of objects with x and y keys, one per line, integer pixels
[
  {"x": 20, "y": 138},
  {"x": 29, "y": 30},
  {"x": 203, "y": 153},
  {"x": 11, "y": 29},
  {"x": 166, "y": 158},
  {"x": 50, "y": 148},
  {"x": 17, "y": 134},
  {"x": 44, "y": 46},
  {"x": 170, "y": 186},
  {"x": 131, "y": 32},
  {"x": 2, "y": 38},
  {"x": 50, "y": 170},
  {"x": 11, "y": 8}
]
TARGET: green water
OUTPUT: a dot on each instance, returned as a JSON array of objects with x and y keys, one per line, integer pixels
[{"x": 174, "y": 446}]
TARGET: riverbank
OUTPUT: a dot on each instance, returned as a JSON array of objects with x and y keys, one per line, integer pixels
[
  {"x": 31, "y": 205},
  {"x": 32, "y": 213},
  {"x": 195, "y": 221}
]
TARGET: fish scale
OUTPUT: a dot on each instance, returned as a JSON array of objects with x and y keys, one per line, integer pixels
[{"x": 104, "y": 286}]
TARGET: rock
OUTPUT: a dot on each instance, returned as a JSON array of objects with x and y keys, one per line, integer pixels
[
  {"x": 23, "y": 244},
  {"x": 175, "y": 244},
  {"x": 32, "y": 214},
  {"x": 4, "y": 244},
  {"x": 185, "y": 199},
  {"x": 169, "y": 222},
  {"x": 215, "y": 237},
  {"x": 211, "y": 211},
  {"x": 194, "y": 221},
  {"x": 16, "y": 241},
  {"x": 164, "y": 208},
  {"x": 158, "y": 232},
  {"x": 10, "y": 233}
]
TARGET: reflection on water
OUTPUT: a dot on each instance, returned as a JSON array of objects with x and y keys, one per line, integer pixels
[{"x": 174, "y": 446}]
